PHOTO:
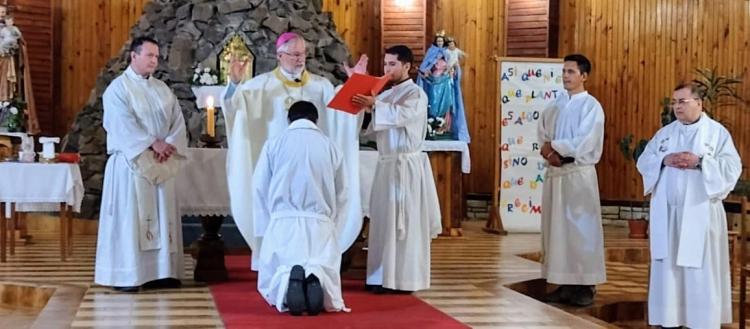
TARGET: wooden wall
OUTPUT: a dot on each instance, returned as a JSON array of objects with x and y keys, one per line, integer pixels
[
  {"x": 358, "y": 22},
  {"x": 35, "y": 20},
  {"x": 404, "y": 24},
  {"x": 479, "y": 29},
  {"x": 640, "y": 49},
  {"x": 528, "y": 28},
  {"x": 93, "y": 31}
]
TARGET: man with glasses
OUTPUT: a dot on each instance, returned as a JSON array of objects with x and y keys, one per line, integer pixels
[
  {"x": 689, "y": 167},
  {"x": 572, "y": 133},
  {"x": 256, "y": 110}
]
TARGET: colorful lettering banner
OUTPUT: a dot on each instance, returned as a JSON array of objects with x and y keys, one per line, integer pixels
[{"x": 526, "y": 88}]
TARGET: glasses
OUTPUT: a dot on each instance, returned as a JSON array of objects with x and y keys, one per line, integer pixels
[
  {"x": 681, "y": 101},
  {"x": 295, "y": 55}
]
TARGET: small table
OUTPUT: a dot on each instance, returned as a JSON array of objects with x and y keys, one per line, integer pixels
[
  {"x": 449, "y": 160},
  {"x": 38, "y": 187}
]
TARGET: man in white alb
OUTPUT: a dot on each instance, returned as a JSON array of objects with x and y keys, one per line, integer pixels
[
  {"x": 404, "y": 208},
  {"x": 300, "y": 194},
  {"x": 572, "y": 130},
  {"x": 140, "y": 232}
]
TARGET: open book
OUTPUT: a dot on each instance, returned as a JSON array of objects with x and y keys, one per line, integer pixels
[{"x": 356, "y": 85}]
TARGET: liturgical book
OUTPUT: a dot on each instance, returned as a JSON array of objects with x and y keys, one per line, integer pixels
[{"x": 358, "y": 84}]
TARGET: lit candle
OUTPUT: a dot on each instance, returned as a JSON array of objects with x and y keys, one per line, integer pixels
[{"x": 210, "y": 125}]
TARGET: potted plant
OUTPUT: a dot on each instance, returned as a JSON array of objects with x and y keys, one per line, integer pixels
[{"x": 638, "y": 225}]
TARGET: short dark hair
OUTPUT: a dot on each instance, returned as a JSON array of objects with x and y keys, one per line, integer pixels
[
  {"x": 138, "y": 42},
  {"x": 303, "y": 110},
  {"x": 694, "y": 88},
  {"x": 584, "y": 65},
  {"x": 403, "y": 53}
]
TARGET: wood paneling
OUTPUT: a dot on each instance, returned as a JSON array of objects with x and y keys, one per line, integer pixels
[
  {"x": 404, "y": 23},
  {"x": 35, "y": 20},
  {"x": 358, "y": 22},
  {"x": 479, "y": 29},
  {"x": 93, "y": 31},
  {"x": 528, "y": 28},
  {"x": 640, "y": 49}
]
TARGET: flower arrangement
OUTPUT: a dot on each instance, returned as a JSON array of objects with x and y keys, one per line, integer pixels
[
  {"x": 434, "y": 126},
  {"x": 204, "y": 76},
  {"x": 11, "y": 114}
]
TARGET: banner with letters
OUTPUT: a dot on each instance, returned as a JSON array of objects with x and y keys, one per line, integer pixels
[{"x": 527, "y": 86}]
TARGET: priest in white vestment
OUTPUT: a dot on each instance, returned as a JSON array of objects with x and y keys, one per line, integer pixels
[
  {"x": 256, "y": 110},
  {"x": 404, "y": 208},
  {"x": 688, "y": 168},
  {"x": 572, "y": 130},
  {"x": 299, "y": 197},
  {"x": 140, "y": 232}
]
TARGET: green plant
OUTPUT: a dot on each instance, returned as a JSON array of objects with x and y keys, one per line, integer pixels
[{"x": 718, "y": 91}]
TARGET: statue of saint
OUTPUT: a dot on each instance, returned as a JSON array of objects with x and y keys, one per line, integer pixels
[
  {"x": 14, "y": 59},
  {"x": 441, "y": 82}
]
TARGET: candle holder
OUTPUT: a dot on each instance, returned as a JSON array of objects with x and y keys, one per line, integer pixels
[
  {"x": 211, "y": 142},
  {"x": 209, "y": 252}
]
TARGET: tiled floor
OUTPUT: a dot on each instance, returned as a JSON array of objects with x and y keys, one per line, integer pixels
[{"x": 470, "y": 279}]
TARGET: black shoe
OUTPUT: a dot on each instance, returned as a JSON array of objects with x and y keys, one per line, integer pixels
[
  {"x": 583, "y": 296},
  {"x": 562, "y": 294},
  {"x": 295, "y": 292},
  {"x": 313, "y": 295},
  {"x": 375, "y": 288},
  {"x": 167, "y": 283},
  {"x": 127, "y": 289}
]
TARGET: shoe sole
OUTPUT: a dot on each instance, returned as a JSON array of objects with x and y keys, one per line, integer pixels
[
  {"x": 314, "y": 295},
  {"x": 295, "y": 293}
]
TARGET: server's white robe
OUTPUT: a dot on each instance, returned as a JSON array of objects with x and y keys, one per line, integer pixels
[
  {"x": 690, "y": 279},
  {"x": 299, "y": 195},
  {"x": 404, "y": 208},
  {"x": 140, "y": 232},
  {"x": 572, "y": 237},
  {"x": 255, "y": 111}
]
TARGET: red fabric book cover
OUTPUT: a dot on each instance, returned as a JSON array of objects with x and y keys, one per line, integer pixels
[{"x": 356, "y": 85}]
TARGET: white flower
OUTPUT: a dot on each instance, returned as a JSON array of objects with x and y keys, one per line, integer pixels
[
  {"x": 13, "y": 110},
  {"x": 206, "y": 69},
  {"x": 4, "y": 104},
  {"x": 430, "y": 120},
  {"x": 197, "y": 70}
]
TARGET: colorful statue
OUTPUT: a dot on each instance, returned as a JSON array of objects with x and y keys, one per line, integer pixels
[
  {"x": 441, "y": 83},
  {"x": 13, "y": 57}
]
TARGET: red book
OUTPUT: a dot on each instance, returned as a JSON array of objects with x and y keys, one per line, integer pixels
[{"x": 358, "y": 84}]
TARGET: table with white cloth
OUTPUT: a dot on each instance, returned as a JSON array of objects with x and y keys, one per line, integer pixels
[
  {"x": 202, "y": 184},
  {"x": 449, "y": 160},
  {"x": 39, "y": 187}
]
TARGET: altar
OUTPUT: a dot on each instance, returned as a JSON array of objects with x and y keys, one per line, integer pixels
[{"x": 203, "y": 191}]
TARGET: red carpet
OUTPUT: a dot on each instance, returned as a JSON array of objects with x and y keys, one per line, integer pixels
[{"x": 241, "y": 306}]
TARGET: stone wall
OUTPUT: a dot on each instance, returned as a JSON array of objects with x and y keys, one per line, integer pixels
[{"x": 192, "y": 32}]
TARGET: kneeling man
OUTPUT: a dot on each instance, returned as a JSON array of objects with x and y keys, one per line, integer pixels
[{"x": 299, "y": 198}]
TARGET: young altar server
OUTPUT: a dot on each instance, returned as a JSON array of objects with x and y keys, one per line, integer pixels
[
  {"x": 405, "y": 214},
  {"x": 572, "y": 132},
  {"x": 299, "y": 198}
]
